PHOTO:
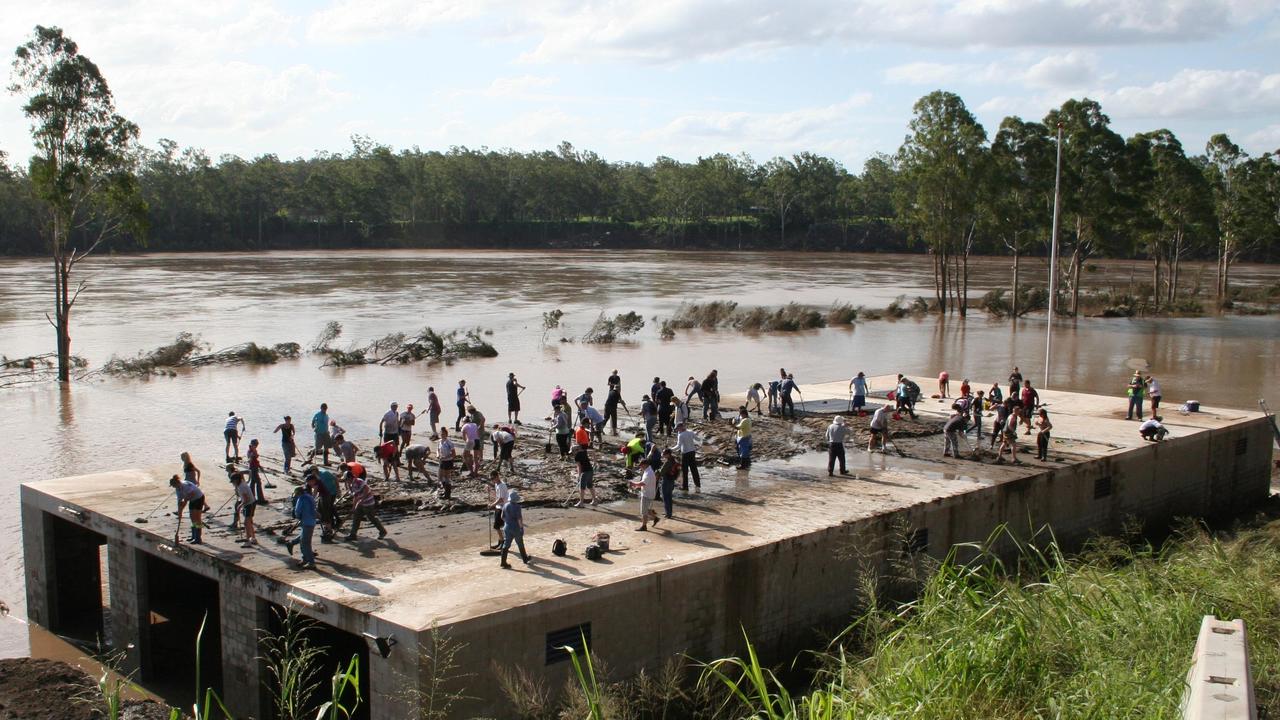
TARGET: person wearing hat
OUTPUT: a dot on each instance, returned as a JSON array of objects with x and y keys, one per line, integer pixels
[
  {"x": 512, "y": 528},
  {"x": 304, "y": 511},
  {"x": 287, "y": 445},
  {"x": 647, "y": 486},
  {"x": 1137, "y": 387},
  {"x": 837, "y": 434},
  {"x": 389, "y": 427},
  {"x": 514, "y": 388}
]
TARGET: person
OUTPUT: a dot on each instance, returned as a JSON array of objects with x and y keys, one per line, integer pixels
[
  {"x": 1154, "y": 394},
  {"x": 246, "y": 503},
  {"x": 287, "y": 445},
  {"x": 255, "y": 470},
  {"x": 506, "y": 444},
  {"x": 514, "y": 388},
  {"x": 775, "y": 386},
  {"x": 416, "y": 458},
  {"x": 477, "y": 417},
  {"x": 583, "y": 401},
  {"x": 879, "y": 427},
  {"x": 965, "y": 390},
  {"x": 687, "y": 445},
  {"x": 1030, "y": 401},
  {"x": 975, "y": 412},
  {"x": 633, "y": 451},
  {"x": 787, "y": 387},
  {"x": 997, "y": 425},
  {"x": 1009, "y": 434},
  {"x": 904, "y": 396},
  {"x": 512, "y": 529},
  {"x": 670, "y": 470},
  {"x": 231, "y": 432},
  {"x": 1152, "y": 429},
  {"x": 364, "y": 503},
  {"x": 836, "y": 436},
  {"x": 693, "y": 389},
  {"x": 389, "y": 426},
  {"x": 951, "y": 431},
  {"x": 320, "y": 426},
  {"x": 1043, "y": 427},
  {"x": 595, "y": 423},
  {"x": 944, "y": 384},
  {"x": 191, "y": 473},
  {"x": 345, "y": 448},
  {"x": 326, "y": 487},
  {"x": 190, "y": 497},
  {"x": 858, "y": 386},
  {"x": 994, "y": 396},
  {"x": 649, "y": 414},
  {"x": 665, "y": 409},
  {"x": 433, "y": 412},
  {"x": 742, "y": 439},
  {"x": 557, "y": 398},
  {"x": 1015, "y": 381},
  {"x": 611, "y": 404},
  {"x": 655, "y": 387},
  {"x": 586, "y": 475},
  {"x": 499, "y": 493},
  {"x": 564, "y": 429},
  {"x": 446, "y": 452},
  {"x": 304, "y": 511},
  {"x": 388, "y": 453},
  {"x": 407, "y": 421},
  {"x": 461, "y": 400},
  {"x": 711, "y": 396},
  {"x": 755, "y": 394},
  {"x": 471, "y": 448},
  {"x": 647, "y": 486},
  {"x": 615, "y": 381},
  {"x": 1136, "y": 388}
]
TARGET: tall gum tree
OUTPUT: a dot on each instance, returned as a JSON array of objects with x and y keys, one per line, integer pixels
[
  {"x": 942, "y": 163},
  {"x": 1017, "y": 201},
  {"x": 82, "y": 167}
]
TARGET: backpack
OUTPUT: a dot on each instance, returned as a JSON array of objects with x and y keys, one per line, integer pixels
[
  {"x": 559, "y": 548},
  {"x": 593, "y": 552}
]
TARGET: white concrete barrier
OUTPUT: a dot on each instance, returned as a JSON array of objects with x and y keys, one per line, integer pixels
[{"x": 1219, "y": 684}]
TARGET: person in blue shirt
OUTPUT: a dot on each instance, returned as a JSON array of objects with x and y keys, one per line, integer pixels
[
  {"x": 513, "y": 529},
  {"x": 304, "y": 511},
  {"x": 320, "y": 426},
  {"x": 858, "y": 386}
]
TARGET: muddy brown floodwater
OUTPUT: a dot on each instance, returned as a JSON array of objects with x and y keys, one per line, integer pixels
[{"x": 139, "y": 302}]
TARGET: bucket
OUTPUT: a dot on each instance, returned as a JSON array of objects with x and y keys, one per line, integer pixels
[
  {"x": 1193, "y": 406},
  {"x": 602, "y": 539}
]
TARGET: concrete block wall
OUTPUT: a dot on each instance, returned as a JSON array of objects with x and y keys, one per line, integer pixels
[
  {"x": 126, "y": 576},
  {"x": 37, "y": 553}
]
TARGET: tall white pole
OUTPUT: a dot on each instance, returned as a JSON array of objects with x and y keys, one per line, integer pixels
[{"x": 1053, "y": 262}]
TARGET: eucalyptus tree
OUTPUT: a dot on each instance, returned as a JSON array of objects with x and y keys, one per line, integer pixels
[
  {"x": 82, "y": 169},
  {"x": 780, "y": 188},
  {"x": 1017, "y": 200},
  {"x": 1177, "y": 198},
  {"x": 942, "y": 164}
]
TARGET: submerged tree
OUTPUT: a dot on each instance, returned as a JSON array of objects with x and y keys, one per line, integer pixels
[{"x": 82, "y": 168}]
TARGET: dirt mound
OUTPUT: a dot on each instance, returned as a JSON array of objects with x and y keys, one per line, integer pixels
[{"x": 39, "y": 689}]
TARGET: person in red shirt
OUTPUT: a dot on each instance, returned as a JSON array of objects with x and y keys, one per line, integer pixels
[{"x": 389, "y": 454}]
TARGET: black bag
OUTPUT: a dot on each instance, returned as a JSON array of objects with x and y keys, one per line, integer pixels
[
  {"x": 559, "y": 548},
  {"x": 593, "y": 552}
]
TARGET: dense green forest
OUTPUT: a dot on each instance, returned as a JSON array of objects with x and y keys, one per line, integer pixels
[{"x": 952, "y": 189}]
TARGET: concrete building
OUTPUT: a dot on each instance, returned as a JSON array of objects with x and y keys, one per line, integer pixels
[{"x": 775, "y": 551}]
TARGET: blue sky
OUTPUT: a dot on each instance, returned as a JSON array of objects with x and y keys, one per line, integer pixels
[{"x": 635, "y": 80}]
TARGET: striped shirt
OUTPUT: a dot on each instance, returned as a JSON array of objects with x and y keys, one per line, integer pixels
[{"x": 361, "y": 493}]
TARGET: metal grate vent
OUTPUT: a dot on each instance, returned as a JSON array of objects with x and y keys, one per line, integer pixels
[
  {"x": 1242, "y": 446},
  {"x": 1102, "y": 487},
  {"x": 577, "y": 637}
]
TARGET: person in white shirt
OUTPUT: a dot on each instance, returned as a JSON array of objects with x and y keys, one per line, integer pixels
[
  {"x": 1152, "y": 429},
  {"x": 687, "y": 445},
  {"x": 231, "y": 431},
  {"x": 389, "y": 428},
  {"x": 498, "y": 501},
  {"x": 837, "y": 434},
  {"x": 879, "y": 427},
  {"x": 506, "y": 443},
  {"x": 858, "y": 387},
  {"x": 1153, "y": 393},
  {"x": 647, "y": 486}
]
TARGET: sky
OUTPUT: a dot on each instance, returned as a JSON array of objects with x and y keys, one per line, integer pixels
[{"x": 633, "y": 80}]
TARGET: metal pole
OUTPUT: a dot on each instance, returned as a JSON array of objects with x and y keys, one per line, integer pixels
[{"x": 1053, "y": 263}]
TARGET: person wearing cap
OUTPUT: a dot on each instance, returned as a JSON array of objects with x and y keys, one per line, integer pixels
[
  {"x": 837, "y": 434},
  {"x": 687, "y": 446},
  {"x": 407, "y": 421},
  {"x": 514, "y": 388},
  {"x": 512, "y": 528},
  {"x": 879, "y": 427},
  {"x": 647, "y": 487},
  {"x": 389, "y": 427},
  {"x": 742, "y": 433},
  {"x": 287, "y": 446},
  {"x": 304, "y": 511}
]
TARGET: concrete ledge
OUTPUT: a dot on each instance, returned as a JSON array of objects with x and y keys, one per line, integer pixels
[{"x": 1219, "y": 684}]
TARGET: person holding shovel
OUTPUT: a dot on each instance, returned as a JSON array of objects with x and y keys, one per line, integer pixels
[
  {"x": 837, "y": 434},
  {"x": 879, "y": 427},
  {"x": 512, "y": 529},
  {"x": 189, "y": 496},
  {"x": 514, "y": 388},
  {"x": 304, "y": 511},
  {"x": 246, "y": 503}
]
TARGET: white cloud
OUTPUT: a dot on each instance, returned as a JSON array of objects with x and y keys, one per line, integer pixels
[
  {"x": 1265, "y": 140},
  {"x": 1072, "y": 69},
  {"x": 929, "y": 73},
  {"x": 1194, "y": 93},
  {"x": 355, "y": 21}
]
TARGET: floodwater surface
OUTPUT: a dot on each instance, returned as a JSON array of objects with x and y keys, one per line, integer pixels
[{"x": 140, "y": 302}]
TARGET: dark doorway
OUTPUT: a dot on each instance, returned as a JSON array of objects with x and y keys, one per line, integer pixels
[
  {"x": 76, "y": 588},
  {"x": 179, "y": 601},
  {"x": 338, "y": 646}
]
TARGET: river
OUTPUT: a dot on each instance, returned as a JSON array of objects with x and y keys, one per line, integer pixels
[{"x": 139, "y": 302}]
